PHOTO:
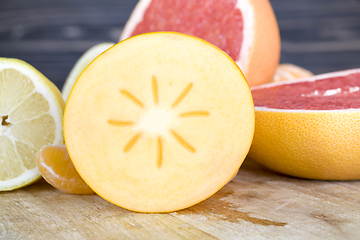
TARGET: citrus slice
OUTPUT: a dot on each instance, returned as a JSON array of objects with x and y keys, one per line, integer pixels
[
  {"x": 31, "y": 112},
  {"x": 310, "y": 128},
  {"x": 247, "y": 30},
  {"x": 159, "y": 122},
  {"x": 81, "y": 64},
  {"x": 288, "y": 71},
  {"x": 56, "y": 167}
]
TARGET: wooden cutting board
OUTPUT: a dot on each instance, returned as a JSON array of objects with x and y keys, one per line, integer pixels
[{"x": 257, "y": 204}]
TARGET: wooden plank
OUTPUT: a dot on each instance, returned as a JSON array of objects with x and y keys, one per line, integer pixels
[
  {"x": 264, "y": 205},
  {"x": 257, "y": 204},
  {"x": 320, "y": 35},
  {"x": 41, "y": 212}
]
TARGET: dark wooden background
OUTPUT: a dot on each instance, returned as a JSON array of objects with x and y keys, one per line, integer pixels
[{"x": 319, "y": 35}]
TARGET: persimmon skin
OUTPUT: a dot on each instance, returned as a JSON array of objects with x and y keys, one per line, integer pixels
[{"x": 57, "y": 169}]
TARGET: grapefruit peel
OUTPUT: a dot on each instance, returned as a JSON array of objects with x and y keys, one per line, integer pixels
[{"x": 313, "y": 144}]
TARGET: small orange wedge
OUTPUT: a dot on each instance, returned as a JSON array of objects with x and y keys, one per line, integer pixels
[
  {"x": 288, "y": 71},
  {"x": 55, "y": 165}
]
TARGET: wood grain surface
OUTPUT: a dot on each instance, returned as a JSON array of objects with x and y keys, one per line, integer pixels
[
  {"x": 319, "y": 35},
  {"x": 257, "y": 204}
]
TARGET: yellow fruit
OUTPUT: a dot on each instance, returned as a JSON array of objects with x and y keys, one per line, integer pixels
[
  {"x": 159, "y": 122},
  {"x": 287, "y": 71},
  {"x": 56, "y": 167},
  {"x": 31, "y": 112},
  {"x": 81, "y": 64},
  {"x": 309, "y": 128}
]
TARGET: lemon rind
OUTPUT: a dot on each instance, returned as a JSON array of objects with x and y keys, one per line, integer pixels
[
  {"x": 56, "y": 108},
  {"x": 81, "y": 64}
]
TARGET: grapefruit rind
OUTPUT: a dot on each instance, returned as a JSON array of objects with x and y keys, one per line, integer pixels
[
  {"x": 135, "y": 18},
  {"x": 247, "y": 10},
  {"x": 312, "y": 144}
]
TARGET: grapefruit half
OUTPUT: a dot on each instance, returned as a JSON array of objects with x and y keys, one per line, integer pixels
[
  {"x": 309, "y": 128},
  {"x": 246, "y": 30}
]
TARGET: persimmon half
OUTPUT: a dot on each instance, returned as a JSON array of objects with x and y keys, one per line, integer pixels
[{"x": 159, "y": 122}]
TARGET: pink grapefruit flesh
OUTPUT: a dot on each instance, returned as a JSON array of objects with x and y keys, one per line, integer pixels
[
  {"x": 196, "y": 18},
  {"x": 309, "y": 128},
  {"x": 246, "y": 30},
  {"x": 330, "y": 93}
]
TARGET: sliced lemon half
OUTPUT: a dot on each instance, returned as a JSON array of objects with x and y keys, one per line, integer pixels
[
  {"x": 31, "y": 113},
  {"x": 81, "y": 64}
]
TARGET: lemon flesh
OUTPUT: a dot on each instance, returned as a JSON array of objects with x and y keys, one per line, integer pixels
[{"x": 31, "y": 110}]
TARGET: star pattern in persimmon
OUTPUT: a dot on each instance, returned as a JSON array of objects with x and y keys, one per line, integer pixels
[{"x": 131, "y": 143}]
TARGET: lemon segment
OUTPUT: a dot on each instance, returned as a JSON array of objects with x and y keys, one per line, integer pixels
[
  {"x": 81, "y": 64},
  {"x": 31, "y": 112}
]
